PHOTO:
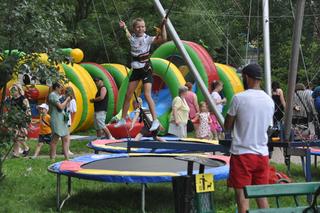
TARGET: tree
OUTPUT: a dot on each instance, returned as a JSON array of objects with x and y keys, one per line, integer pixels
[{"x": 33, "y": 27}]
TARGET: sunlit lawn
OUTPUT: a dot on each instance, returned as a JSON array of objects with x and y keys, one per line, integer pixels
[{"x": 29, "y": 187}]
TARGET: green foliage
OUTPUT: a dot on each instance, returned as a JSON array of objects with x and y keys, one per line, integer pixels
[
  {"x": 13, "y": 119},
  {"x": 218, "y": 25},
  {"x": 32, "y": 26},
  {"x": 6, "y": 67}
]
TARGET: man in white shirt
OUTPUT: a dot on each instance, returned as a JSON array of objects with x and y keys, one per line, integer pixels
[{"x": 249, "y": 118}]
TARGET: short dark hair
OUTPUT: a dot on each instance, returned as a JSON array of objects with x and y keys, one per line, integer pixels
[
  {"x": 56, "y": 85},
  {"x": 189, "y": 85},
  {"x": 275, "y": 85},
  {"x": 97, "y": 79},
  {"x": 214, "y": 84}
]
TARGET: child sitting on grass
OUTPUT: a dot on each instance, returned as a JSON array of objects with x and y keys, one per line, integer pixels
[
  {"x": 145, "y": 116},
  {"x": 45, "y": 128},
  {"x": 203, "y": 132}
]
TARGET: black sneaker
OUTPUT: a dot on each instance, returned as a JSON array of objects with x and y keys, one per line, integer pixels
[{"x": 25, "y": 153}]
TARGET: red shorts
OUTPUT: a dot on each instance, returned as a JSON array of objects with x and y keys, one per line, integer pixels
[{"x": 248, "y": 169}]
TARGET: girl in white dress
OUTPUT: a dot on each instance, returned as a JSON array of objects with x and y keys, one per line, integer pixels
[{"x": 204, "y": 130}]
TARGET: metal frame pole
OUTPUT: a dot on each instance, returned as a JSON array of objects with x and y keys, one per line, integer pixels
[
  {"x": 143, "y": 198},
  {"x": 189, "y": 62},
  {"x": 266, "y": 41},
  {"x": 58, "y": 191},
  {"x": 293, "y": 67}
]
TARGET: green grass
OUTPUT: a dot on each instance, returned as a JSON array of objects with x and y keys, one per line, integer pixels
[
  {"x": 76, "y": 146},
  {"x": 29, "y": 187}
]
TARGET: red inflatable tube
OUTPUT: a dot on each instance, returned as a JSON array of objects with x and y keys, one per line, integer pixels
[
  {"x": 112, "y": 82},
  {"x": 206, "y": 61},
  {"x": 123, "y": 131}
]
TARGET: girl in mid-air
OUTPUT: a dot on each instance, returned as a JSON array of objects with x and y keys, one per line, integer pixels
[{"x": 140, "y": 44}]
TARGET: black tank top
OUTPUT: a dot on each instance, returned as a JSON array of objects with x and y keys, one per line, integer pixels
[
  {"x": 278, "y": 112},
  {"x": 101, "y": 105}
]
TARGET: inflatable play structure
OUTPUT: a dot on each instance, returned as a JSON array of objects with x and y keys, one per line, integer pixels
[{"x": 170, "y": 72}]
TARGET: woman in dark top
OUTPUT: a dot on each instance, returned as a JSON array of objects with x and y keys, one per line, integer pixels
[
  {"x": 280, "y": 103},
  {"x": 17, "y": 99}
]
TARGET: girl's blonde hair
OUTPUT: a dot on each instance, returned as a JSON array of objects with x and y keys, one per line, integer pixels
[
  {"x": 202, "y": 104},
  {"x": 135, "y": 21}
]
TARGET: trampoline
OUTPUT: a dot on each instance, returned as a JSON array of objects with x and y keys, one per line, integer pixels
[
  {"x": 120, "y": 145},
  {"x": 315, "y": 152},
  {"x": 135, "y": 168}
]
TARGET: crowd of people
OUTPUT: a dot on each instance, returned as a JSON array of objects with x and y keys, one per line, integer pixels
[
  {"x": 53, "y": 125},
  {"x": 249, "y": 150},
  {"x": 188, "y": 115}
]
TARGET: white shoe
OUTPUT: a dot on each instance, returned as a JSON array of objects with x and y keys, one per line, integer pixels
[
  {"x": 70, "y": 153},
  {"x": 111, "y": 138},
  {"x": 120, "y": 123},
  {"x": 155, "y": 125}
]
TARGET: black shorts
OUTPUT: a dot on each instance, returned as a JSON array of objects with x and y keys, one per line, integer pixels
[
  {"x": 144, "y": 74},
  {"x": 45, "y": 138}
]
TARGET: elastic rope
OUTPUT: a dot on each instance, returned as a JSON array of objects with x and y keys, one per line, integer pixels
[
  {"x": 214, "y": 32},
  {"x": 223, "y": 33},
  {"x": 248, "y": 31},
  {"x": 100, "y": 30},
  {"x": 113, "y": 31}
]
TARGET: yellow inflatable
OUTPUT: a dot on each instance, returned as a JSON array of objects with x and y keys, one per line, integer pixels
[{"x": 77, "y": 55}]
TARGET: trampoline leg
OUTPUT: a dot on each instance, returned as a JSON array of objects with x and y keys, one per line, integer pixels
[
  {"x": 96, "y": 152},
  {"x": 68, "y": 195},
  {"x": 308, "y": 171},
  {"x": 287, "y": 160},
  {"x": 58, "y": 188},
  {"x": 69, "y": 185},
  {"x": 308, "y": 166},
  {"x": 201, "y": 169},
  {"x": 190, "y": 168},
  {"x": 143, "y": 197},
  {"x": 303, "y": 165},
  {"x": 315, "y": 161}
]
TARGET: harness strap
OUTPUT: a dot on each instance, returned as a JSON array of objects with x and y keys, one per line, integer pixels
[
  {"x": 142, "y": 58},
  {"x": 147, "y": 122}
]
